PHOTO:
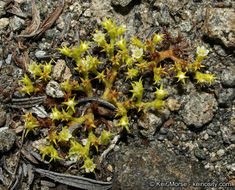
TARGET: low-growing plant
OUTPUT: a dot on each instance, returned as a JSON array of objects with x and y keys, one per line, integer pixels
[{"x": 132, "y": 59}]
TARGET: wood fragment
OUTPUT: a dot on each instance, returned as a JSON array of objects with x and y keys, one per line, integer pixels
[
  {"x": 46, "y": 24},
  {"x": 36, "y": 155},
  {"x": 35, "y": 23},
  {"x": 19, "y": 62},
  {"x": 75, "y": 181},
  {"x": 30, "y": 174},
  {"x": 12, "y": 7},
  {"x": 28, "y": 156},
  {"x": 2, "y": 177},
  {"x": 26, "y": 102},
  {"x": 97, "y": 99},
  {"x": 111, "y": 147},
  {"x": 17, "y": 180},
  {"x": 4, "y": 165}
]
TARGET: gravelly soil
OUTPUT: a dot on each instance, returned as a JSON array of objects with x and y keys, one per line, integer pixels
[{"x": 188, "y": 145}]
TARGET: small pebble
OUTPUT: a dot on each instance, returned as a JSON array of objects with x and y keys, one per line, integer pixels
[
  {"x": 160, "y": 138},
  {"x": 170, "y": 135},
  {"x": 206, "y": 136},
  {"x": 200, "y": 154},
  {"x": 109, "y": 178},
  {"x": 4, "y": 22},
  {"x": 163, "y": 131},
  {"x": 40, "y": 54},
  {"x": 7, "y": 139},
  {"x": 110, "y": 168},
  {"x": 54, "y": 90},
  {"x": 8, "y": 59},
  {"x": 47, "y": 183},
  {"x": 220, "y": 152}
]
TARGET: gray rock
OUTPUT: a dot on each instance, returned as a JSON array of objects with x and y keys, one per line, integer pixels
[
  {"x": 52, "y": 33},
  {"x": 163, "y": 131},
  {"x": 76, "y": 8},
  {"x": 18, "y": 73},
  {"x": 232, "y": 138},
  {"x": 170, "y": 135},
  {"x": 40, "y": 54},
  {"x": 61, "y": 71},
  {"x": 199, "y": 153},
  {"x": 54, "y": 90},
  {"x": 122, "y": 3},
  {"x": 219, "y": 50},
  {"x": 149, "y": 124},
  {"x": 211, "y": 133},
  {"x": 160, "y": 137},
  {"x": 225, "y": 96},
  {"x": 186, "y": 26},
  {"x": 198, "y": 109},
  {"x": 7, "y": 139},
  {"x": 163, "y": 17},
  {"x": 226, "y": 134},
  {"x": 9, "y": 58},
  {"x": 228, "y": 77},
  {"x": 16, "y": 23},
  {"x": 220, "y": 152},
  {"x": 2, "y": 11},
  {"x": 219, "y": 24},
  {"x": 87, "y": 13},
  {"x": 4, "y": 22},
  {"x": 174, "y": 5},
  {"x": 137, "y": 168},
  {"x": 44, "y": 46},
  {"x": 206, "y": 137}
]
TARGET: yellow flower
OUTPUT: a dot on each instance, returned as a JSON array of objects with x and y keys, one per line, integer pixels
[
  {"x": 50, "y": 151},
  {"x": 161, "y": 93},
  {"x": 181, "y": 76},
  {"x": 124, "y": 123},
  {"x": 157, "y": 38},
  {"x": 30, "y": 122},
  {"x": 70, "y": 104},
  {"x": 99, "y": 38},
  {"x": 77, "y": 151},
  {"x": 137, "y": 90},
  {"x": 204, "y": 78},
  {"x": 64, "y": 135},
  {"x": 55, "y": 115},
  {"x": 89, "y": 165},
  {"x": 131, "y": 73}
]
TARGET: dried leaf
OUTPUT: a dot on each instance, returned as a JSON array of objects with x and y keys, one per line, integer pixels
[
  {"x": 74, "y": 180},
  {"x": 38, "y": 29},
  {"x": 14, "y": 8},
  {"x": 27, "y": 155},
  {"x": 35, "y": 23},
  {"x": 19, "y": 62},
  {"x": 48, "y": 22}
]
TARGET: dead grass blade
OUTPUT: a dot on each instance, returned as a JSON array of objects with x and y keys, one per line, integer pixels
[
  {"x": 46, "y": 24},
  {"x": 35, "y": 23}
]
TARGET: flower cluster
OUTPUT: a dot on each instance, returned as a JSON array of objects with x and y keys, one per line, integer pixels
[
  {"x": 133, "y": 61},
  {"x": 30, "y": 122}
]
